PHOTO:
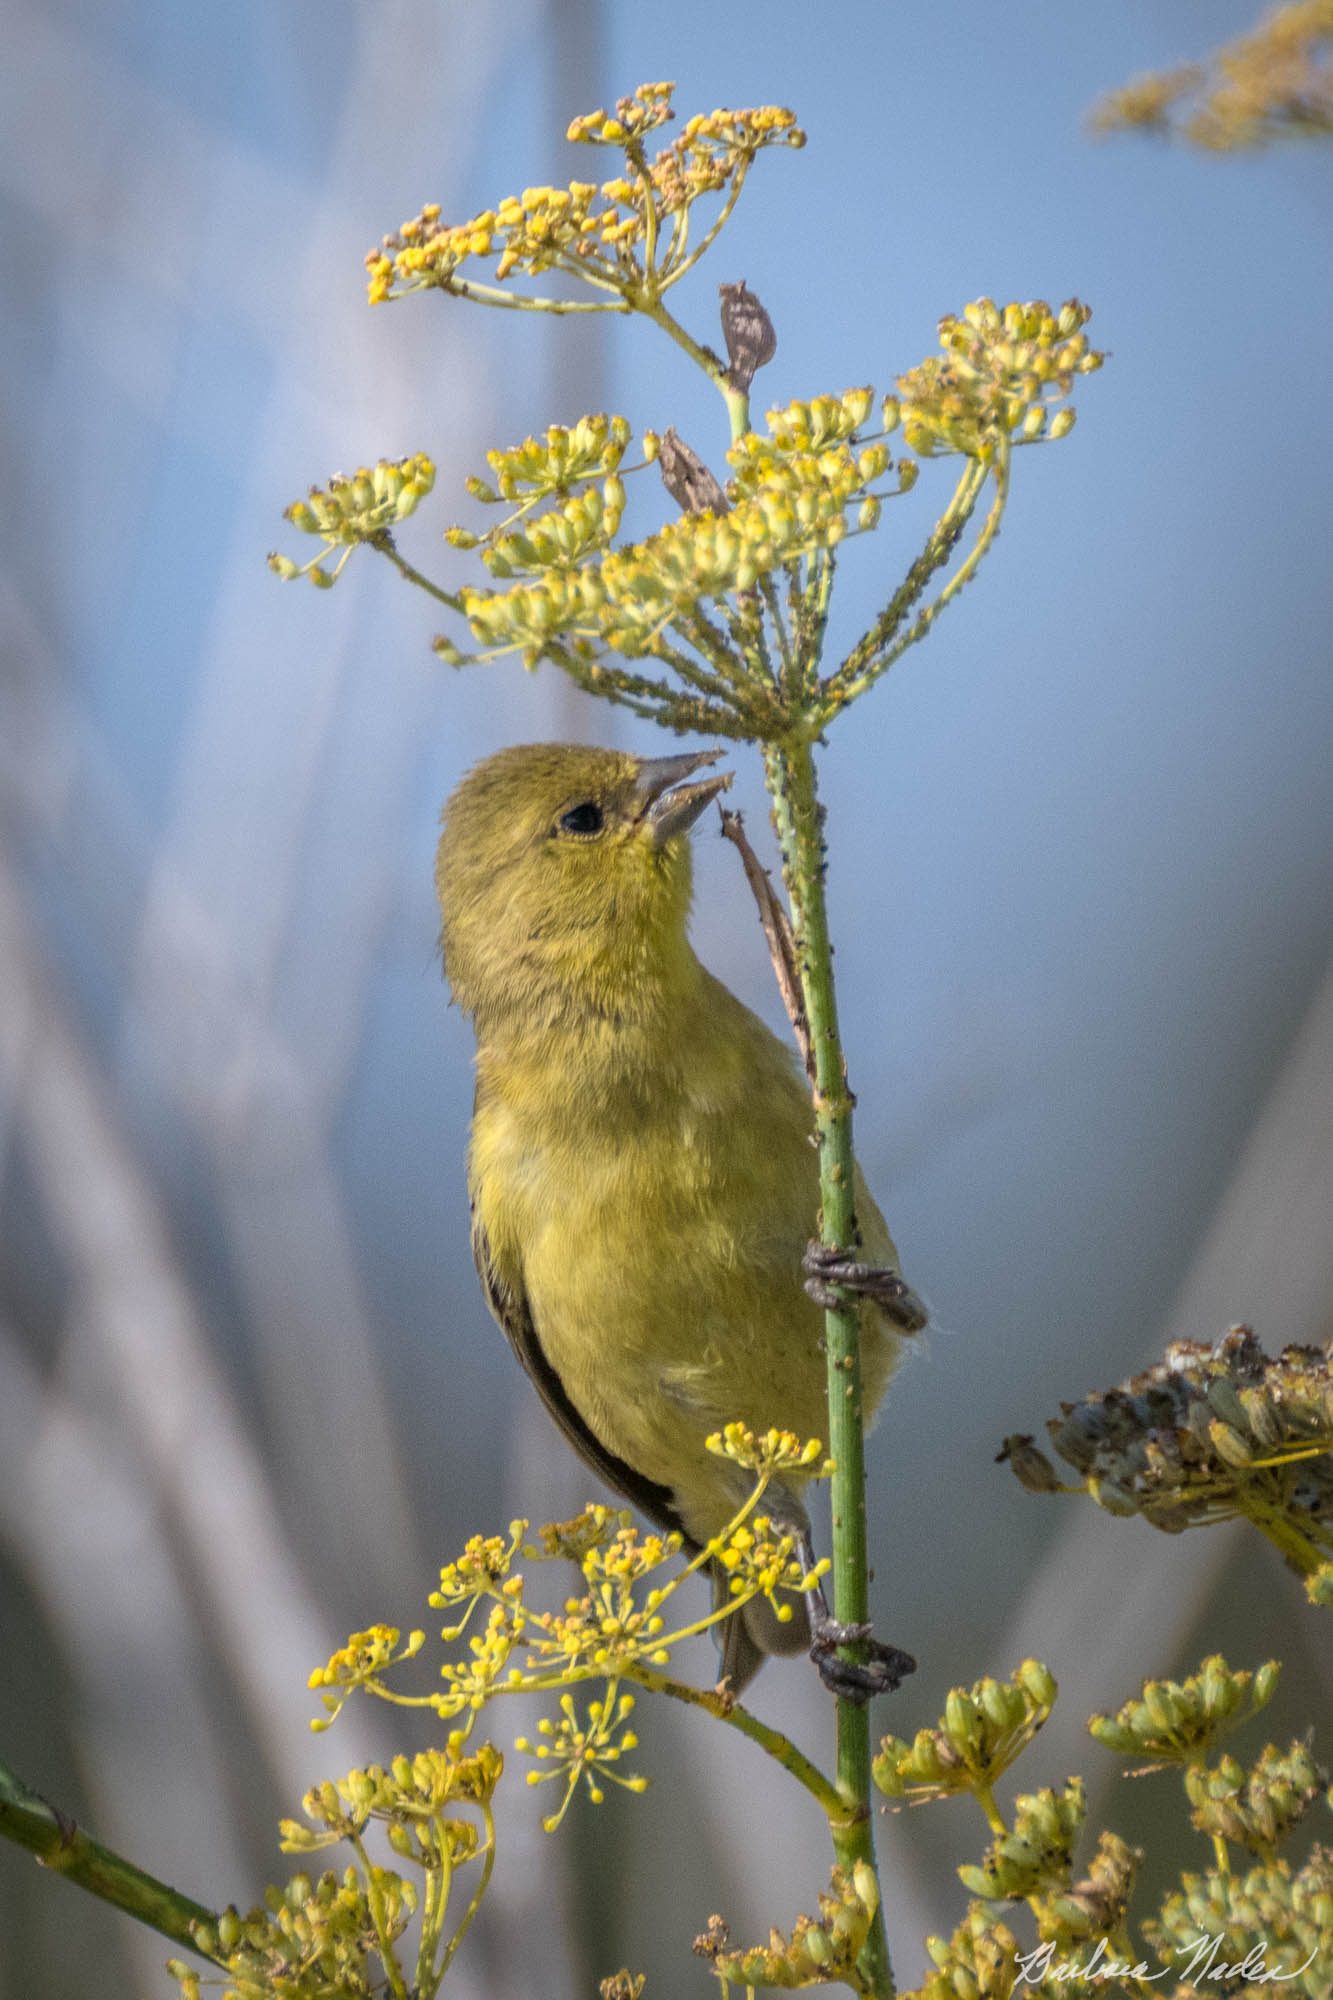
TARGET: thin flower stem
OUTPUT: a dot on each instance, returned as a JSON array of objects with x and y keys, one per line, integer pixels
[
  {"x": 966, "y": 570},
  {"x": 771, "y": 1741},
  {"x": 393, "y": 1972},
  {"x": 943, "y": 541},
  {"x": 494, "y": 295},
  {"x": 439, "y": 1882},
  {"x": 634, "y": 154},
  {"x": 777, "y": 934},
  {"x": 716, "y": 226},
  {"x": 790, "y": 776},
  {"x": 386, "y": 545},
  {"x": 846, "y": 690},
  {"x": 30, "y": 1821},
  {"x": 814, "y": 612},
  {"x": 694, "y": 675},
  {"x": 478, "y": 1893},
  {"x": 736, "y": 400}
]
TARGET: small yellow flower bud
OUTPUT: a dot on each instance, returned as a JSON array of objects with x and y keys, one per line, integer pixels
[
  {"x": 1229, "y": 1445},
  {"x": 1265, "y": 1682}
]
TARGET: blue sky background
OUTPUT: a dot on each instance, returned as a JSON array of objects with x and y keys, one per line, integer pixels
[{"x": 1081, "y": 840}]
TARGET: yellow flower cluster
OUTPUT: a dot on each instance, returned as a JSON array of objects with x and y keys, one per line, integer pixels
[
  {"x": 1001, "y": 374},
  {"x": 563, "y": 458},
  {"x": 1038, "y": 1853},
  {"x": 470, "y": 1682},
  {"x": 774, "y": 1452},
  {"x": 312, "y": 1939},
  {"x": 308, "y": 1940},
  {"x": 480, "y": 1570},
  {"x": 612, "y": 233},
  {"x": 588, "y": 1750},
  {"x": 819, "y": 1952},
  {"x": 823, "y": 421},
  {"x": 582, "y": 525},
  {"x": 789, "y": 501},
  {"x": 359, "y": 507},
  {"x": 759, "y": 1560},
  {"x": 574, "y": 1539},
  {"x": 1173, "y": 1722},
  {"x": 411, "y": 1792},
  {"x": 1259, "y": 1807},
  {"x": 360, "y": 1663},
  {"x": 977, "y": 1738},
  {"x": 649, "y": 107},
  {"x": 796, "y": 489},
  {"x": 1278, "y": 1917},
  {"x": 607, "y": 1627}
]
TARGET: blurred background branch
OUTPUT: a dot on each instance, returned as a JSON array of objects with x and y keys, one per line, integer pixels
[{"x": 1271, "y": 84}]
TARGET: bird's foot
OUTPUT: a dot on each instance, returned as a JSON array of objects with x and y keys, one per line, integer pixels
[
  {"x": 831, "y": 1275},
  {"x": 886, "y": 1668}
]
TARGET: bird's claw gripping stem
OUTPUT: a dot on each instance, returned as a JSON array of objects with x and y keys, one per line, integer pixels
[
  {"x": 832, "y": 1275},
  {"x": 887, "y": 1666},
  {"x": 886, "y": 1669}
]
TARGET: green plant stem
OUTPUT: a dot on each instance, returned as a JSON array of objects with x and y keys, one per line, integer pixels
[
  {"x": 483, "y": 1883},
  {"x": 736, "y": 400},
  {"x": 386, "y": 545},
  {"x": 790, "y": 774},
  {"x": 393, "y": 1972},
  {"x": 772, "y": 1741},
  {"x": 30, "y": 1821}
]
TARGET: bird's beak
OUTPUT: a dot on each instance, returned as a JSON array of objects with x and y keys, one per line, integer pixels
[{"x": 667, "y": 806}]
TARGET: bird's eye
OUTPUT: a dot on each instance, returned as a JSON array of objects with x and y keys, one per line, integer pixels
[{"x": 585, "y": 818}]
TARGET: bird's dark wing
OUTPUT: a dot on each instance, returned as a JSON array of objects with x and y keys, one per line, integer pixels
[{"x": 509, "y": 1305}]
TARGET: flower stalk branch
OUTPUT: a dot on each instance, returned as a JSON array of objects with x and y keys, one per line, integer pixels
[{"x": 32, "y": 1822}]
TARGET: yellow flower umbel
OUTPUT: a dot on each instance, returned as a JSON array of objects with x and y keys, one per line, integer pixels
[
  {"x": 975, "y": 1741},
  {"x": 820, "y": 1951},
  {"x": 1002, "y": 375},
  {"x": 1178, "y": 1722},
  {"x": 587, "y": 1750},
  {"x": 714, "y": 623},
  {"x": 363, "y": 506},
  {"x": 627, "y": 236},
  {"x": 732, "y": 596}
]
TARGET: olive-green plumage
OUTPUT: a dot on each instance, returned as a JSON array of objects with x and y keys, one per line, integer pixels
[{"x": 642, "y": 1174}]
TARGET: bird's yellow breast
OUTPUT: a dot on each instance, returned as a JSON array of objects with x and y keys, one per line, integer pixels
[{"x": 649, "y": 1188}]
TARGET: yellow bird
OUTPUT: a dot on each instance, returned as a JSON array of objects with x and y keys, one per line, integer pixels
[{"x": 643, "y": 1181}]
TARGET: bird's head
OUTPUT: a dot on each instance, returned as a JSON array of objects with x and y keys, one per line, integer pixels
[{"x": 564, "y": 874}]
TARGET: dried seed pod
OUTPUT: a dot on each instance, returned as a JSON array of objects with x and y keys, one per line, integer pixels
[
  {"x": 687, "y": 479},
  {"x": 748, "y": 332}
]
